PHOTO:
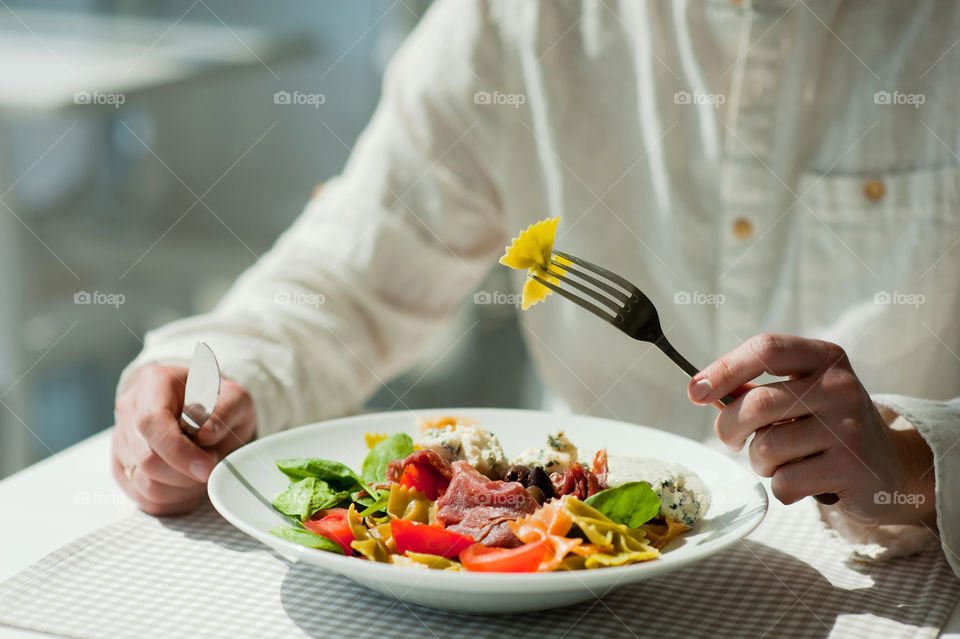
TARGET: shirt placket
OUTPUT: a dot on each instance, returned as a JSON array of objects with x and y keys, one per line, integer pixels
[{"x": 745, "y": 176}]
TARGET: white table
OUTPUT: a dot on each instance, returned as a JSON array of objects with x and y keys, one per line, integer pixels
[{"x": 73, "y": 493}]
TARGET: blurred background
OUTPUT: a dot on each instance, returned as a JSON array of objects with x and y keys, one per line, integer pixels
[{"x": 149, "y": 152}]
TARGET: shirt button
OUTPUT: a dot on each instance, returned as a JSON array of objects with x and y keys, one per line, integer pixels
[
  {"x": 874, "y": 190},
  {"x": 742, "y": 228}
]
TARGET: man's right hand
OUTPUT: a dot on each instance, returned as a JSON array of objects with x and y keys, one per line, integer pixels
[{"x": 158, "y": 466}]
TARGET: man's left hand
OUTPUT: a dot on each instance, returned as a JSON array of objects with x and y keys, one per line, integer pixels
[{"x": 833, "y": 439}]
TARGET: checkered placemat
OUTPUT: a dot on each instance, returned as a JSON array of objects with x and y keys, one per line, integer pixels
[{"x": 197, "y": 576}]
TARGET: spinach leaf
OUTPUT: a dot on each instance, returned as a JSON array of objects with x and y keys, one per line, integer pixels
[
  {"x": 633, "y": 503},
  {"x": 374, "y": 506},
  {"x": 397, "y": 446},
  {"x": 306, "y": 538},
  {"x": 338, "y": 475},
  {"x": 307, "y": 496}
]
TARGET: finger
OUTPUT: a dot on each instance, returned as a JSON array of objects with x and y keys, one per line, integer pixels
[
  {"x": 779, "y": 355},
  {"x": 162, "y": 432},
  {"x": 160, "y": 387},
  {"x": 138, "y": 454},
  {"x": 156, "y": 469},
  {"x": 737, "y": 392},
  {"x": 159, "y": 399},
  {"x": 810, "y": 476},
  {"x": 233, "y": 413},
  {"x": 164, "y": 494},
  {"x": 120, "y": 448},
  {"x": 766, "y": 404},
  {"x": 145, "y": 504},
  {"x": 781, "y": 444}
]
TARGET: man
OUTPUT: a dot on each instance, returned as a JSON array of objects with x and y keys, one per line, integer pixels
[{"x": 775, "y": 169}]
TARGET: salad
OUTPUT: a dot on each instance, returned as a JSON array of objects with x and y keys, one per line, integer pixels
[{"x": 450, "y": 499}]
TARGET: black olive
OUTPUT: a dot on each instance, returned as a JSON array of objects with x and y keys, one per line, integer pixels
[
  {"x": 518, "y": 473},
  {"x": 540, "y": 479},
  {"x": 537, "y": 494}
]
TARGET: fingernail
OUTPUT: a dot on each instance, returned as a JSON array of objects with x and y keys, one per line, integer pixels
[
  {"x": 200, "y": 471},
  {"x": 700, "y": 389}
]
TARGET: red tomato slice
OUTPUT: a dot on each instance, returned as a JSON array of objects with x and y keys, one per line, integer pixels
[
  {"x": 417, "y": 537},
  {"x": 525, "y": 558},
  {"x": 332, "y": 525},
  {"x": 423, "y": 478}
]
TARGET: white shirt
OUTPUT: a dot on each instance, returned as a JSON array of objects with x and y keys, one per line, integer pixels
[{"x": 784, "y": 167}]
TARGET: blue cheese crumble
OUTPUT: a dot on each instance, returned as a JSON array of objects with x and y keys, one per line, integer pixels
[
  {"x": 478, "y": 447},
  {"x": 555, "y": 457},
  {"x": 683, "y": 496}
]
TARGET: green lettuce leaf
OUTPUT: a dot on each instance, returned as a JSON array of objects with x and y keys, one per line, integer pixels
[
  {"x": 374, "y": 505},
  {"x": 306, "y": 496},
  {"x": 306, "y": 538},
  {"x": 338, "y": 475},
  {"x": 633, "y": 503},
  {"x": 397, "y": 446}
]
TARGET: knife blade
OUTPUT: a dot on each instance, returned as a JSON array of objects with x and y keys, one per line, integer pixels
[{"x": 202, "y": 390}]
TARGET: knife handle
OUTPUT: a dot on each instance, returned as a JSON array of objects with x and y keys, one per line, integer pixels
[{"x": 188, "y": 424}]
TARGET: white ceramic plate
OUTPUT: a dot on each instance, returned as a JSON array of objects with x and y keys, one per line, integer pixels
[{"x": 739, "y": 503}]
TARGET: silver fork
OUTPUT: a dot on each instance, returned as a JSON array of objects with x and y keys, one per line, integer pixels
[
  {"x": 632, "y": 311},
  {"x": 629, "y": 310}
]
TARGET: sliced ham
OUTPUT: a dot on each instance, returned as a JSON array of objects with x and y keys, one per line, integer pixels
[
  {"x": 477, "y": 506},
  {"x": 578, "y": 481},
  {"x": 424, "y": 457}
]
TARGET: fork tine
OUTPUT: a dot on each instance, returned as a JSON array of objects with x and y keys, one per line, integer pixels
[
  {"x": 599, "y": 270},
  {"x": 596, "y": 310},
  {"x": 589, "y": 292},
  {"x": 620, "y": 295}
]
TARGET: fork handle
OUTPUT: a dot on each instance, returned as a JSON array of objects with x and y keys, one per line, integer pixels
[
  {"x": 827, "y": 499},
  {"x": 664, "y": 345}
]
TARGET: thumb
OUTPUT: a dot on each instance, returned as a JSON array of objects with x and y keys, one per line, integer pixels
[{"x": 231, "y": 417}]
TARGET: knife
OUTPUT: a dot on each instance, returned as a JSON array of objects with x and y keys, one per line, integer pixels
[{"x": 202, "y": 390}]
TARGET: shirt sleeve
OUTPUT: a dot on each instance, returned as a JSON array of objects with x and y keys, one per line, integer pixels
[
  {"x": 384, "y": 254},
  {"x": 939, "y": 424}
]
